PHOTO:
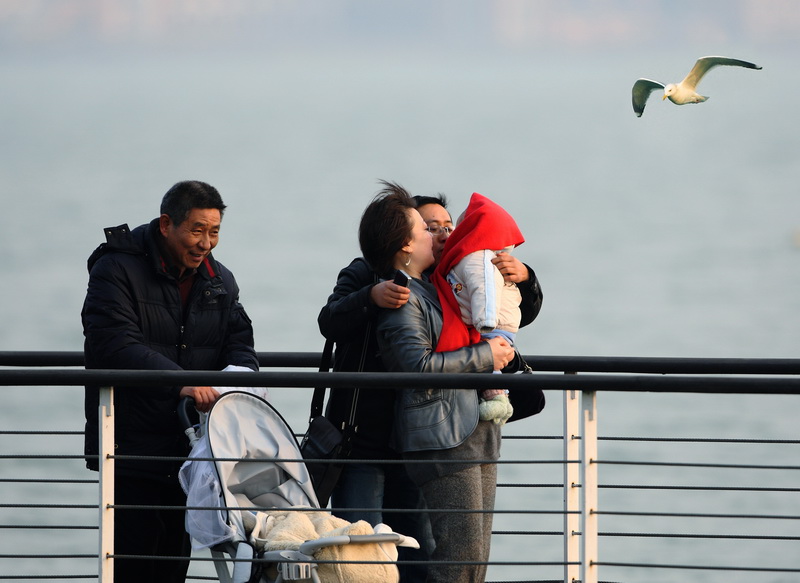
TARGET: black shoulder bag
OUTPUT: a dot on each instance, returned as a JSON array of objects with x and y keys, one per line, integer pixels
[
  {"x": 324, "y": 443},
  {"x": 528, "y": 401}
]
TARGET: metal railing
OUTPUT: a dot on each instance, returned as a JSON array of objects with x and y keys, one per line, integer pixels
[{"x": 579, "y": 461}]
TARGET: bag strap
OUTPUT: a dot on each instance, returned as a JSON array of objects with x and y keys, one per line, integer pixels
[
  {"x": 354, "y": 404},
  {"x": 351, "y": 426},
  {"x": 318, "y": 399},
  {"x": 526, "y": 369},
  {"x": 325, "y": 364},
  {"x": 319, "y": 392}
]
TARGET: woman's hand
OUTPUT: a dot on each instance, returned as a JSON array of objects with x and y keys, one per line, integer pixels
[
  {"x": 502, "y": 352},
  {"x": 387, "y": 294},
  {"x": 490, "y": 394},
  {"x": 203, "y": 397}
]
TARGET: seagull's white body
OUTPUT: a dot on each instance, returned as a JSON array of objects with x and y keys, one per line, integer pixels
[{"x": 685, "y": 91}]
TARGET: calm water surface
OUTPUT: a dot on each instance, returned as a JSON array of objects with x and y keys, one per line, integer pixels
[{"x": 671, "y": 235}]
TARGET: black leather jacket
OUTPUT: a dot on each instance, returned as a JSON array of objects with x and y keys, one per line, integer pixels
[
  {"x": 133, "y": 318},
  {"x": 425, "y": 418}
]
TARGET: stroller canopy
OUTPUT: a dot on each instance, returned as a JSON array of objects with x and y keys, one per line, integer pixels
[{"x": 250, "y": 435}]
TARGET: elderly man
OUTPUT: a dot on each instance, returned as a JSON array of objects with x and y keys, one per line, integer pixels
[{"x": 158, "y": 300}]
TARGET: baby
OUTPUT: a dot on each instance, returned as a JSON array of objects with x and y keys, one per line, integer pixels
[{"x": 485, "y": 302}]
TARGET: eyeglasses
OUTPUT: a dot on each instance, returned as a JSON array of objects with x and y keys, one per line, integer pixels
[{"x": 436, "y": 230}]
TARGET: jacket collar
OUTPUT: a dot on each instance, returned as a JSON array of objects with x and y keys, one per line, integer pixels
[{"x": 143, "y": 241}]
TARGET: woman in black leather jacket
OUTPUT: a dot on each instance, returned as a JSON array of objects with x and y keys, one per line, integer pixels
[{"x": 435, "y": 426}]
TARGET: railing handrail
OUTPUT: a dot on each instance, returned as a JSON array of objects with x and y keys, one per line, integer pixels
[
  {"x": 543, "y": 363},
  {"x": 560, "y": 382},
  {"x": 580, "y": 459}
]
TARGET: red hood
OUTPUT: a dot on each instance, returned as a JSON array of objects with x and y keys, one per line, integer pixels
[{"x": 485, "y": 225}]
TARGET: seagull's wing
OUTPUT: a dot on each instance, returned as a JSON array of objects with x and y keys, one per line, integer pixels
[
  {"x": 705, "y": 64},
  {"x": 641, "y": 91}
]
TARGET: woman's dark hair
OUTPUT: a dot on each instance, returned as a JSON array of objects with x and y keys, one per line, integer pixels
[
  {"x": 187, "y": 195},
  {"x": 385, "y": 227}
]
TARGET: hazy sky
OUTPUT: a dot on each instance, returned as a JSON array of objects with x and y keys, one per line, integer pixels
[{"x": 461, "y": 25}]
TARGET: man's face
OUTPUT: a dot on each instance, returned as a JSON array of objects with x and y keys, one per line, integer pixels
[
  {"x": 438, "y": 219},
  {"x": 189, "y": 243},
  {"x": 421, "y": 244}
]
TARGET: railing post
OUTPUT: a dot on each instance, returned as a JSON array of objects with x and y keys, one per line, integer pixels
[
  {"x": 572, "y": 494},
  {"x": 589, "y": 487},
  {"x": 106, "y": 466}
]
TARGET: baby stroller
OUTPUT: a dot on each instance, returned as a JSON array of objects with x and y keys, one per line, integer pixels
[{"x": 249, "y": 506}]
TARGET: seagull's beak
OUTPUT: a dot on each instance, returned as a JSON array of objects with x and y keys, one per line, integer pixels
[{"x": 663, "y": 97}]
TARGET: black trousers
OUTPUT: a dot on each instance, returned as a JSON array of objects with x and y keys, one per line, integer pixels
[{"x": 150, "y": 532}]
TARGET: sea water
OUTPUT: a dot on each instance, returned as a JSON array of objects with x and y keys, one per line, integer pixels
[{"x": 674, "y": 234}]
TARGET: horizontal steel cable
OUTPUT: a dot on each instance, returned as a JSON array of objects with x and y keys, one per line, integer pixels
[
  {"x": 337, "y": 461},
  {"x": 697, "y": 515},
  {"x": 50, "y": 526},
  {"x": 41, "y": 577},
  {"x": 695, "y": 465},
  {"x": 553, "y": 485},
  {"x": 527, "y": 533},
  {"x": 48, "y": 456},
  {"x": 698, "y": 567},
  {"x": 352, "y": 562},
  {"x": 80, "y": 433},
  {"x": 47, "y": 556},
  {"x": 49, "y": 480},
  {"x": 333, "y": 510},
  {"x": 697, "y": 488},
  {"x": 736, "y": 441},
  {"x": 700, "y": 536},
  {"x": 533, "y": 438},
  {"x": 52, "y": 506}
]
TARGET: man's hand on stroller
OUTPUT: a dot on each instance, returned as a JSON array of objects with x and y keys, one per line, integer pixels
[{"x": 204, "y": 397}]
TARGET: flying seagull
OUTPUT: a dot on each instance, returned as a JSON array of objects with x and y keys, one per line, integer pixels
[{"x": 683, "y": 92}]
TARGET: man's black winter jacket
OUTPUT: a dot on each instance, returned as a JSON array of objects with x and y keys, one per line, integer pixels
[{"x": 133, "y": 319}]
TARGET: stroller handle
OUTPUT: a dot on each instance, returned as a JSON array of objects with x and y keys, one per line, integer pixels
[
  {"x": 183, "y": 412},
  {"x": 186, "y": 422}
]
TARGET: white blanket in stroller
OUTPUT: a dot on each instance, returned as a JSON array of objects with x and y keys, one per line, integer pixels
[{"x": 280, "y": 530}]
